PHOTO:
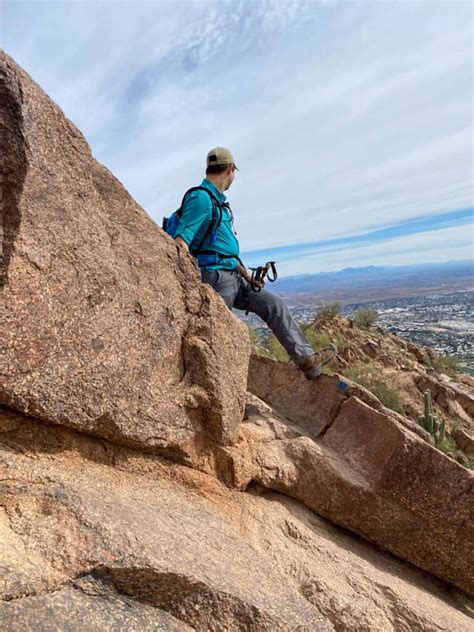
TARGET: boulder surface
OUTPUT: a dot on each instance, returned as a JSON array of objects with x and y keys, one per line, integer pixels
[
  {"x": 360, "y": 467},
  {"x": 98, "y": 536},
  {"x": 104, "y": 324}
]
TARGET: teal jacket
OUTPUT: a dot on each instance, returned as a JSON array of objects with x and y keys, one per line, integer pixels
[{"x": 195, "y": 217}]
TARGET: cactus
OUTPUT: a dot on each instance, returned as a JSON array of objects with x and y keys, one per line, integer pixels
[{"x": 429, "y": 422}]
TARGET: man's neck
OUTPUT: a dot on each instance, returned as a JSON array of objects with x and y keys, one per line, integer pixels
[{"x": 217, "y": 182}]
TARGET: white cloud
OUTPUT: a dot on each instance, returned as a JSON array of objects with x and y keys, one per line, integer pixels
[
  {"x": 343, "y": 116},
  {"x": 456, "y": 244}
]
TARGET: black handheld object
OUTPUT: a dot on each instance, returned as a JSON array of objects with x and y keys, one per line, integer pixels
[{"x": 261, "y": 272}]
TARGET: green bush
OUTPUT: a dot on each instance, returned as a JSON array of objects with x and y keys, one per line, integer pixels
[
  {"x": 341, "y": 342},
  {"x": 389, "y": 396},
  {"x": 317, "y": 339},
  {"x": 271, "y": 348},
  {"x": 365, "y": 317},
  {"x": 254, "y": 339},
  {"x": 448, "y": 364},
  {"x": 328, "y": 311},
  {"x": 448, "y": 446}
]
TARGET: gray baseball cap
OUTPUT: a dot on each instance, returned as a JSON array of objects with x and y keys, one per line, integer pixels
[{"x": 220, "y": 156}]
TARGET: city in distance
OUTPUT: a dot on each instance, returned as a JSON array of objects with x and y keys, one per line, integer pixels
[{"x": 432, "y": 304}]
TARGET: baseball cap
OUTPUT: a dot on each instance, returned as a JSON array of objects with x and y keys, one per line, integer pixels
[{"x": 220, "y": 156}]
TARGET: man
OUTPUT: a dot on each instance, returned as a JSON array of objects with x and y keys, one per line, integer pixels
[{"x": 218, "y": 253}]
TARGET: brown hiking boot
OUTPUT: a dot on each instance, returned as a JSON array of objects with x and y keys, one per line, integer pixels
[{"x": 313, "y": 366}]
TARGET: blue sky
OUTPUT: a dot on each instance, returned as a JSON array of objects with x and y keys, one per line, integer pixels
[{"x": 351, "y": 122}]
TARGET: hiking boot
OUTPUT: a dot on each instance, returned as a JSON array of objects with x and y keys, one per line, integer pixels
[{"x": 312, "y": 367}]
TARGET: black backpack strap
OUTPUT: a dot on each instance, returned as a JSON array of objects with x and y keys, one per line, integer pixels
[{"x": 214, "y": 223}]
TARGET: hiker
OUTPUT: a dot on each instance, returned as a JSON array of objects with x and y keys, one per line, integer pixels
[{"x": 217, "y": 252}]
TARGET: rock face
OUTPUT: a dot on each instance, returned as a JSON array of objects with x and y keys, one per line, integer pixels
[
  {"x": 450, "y": 397},
  {"x": 141, "y": 536},
  {"x": 104, "y": 327},
  {"x": 361, "y": 468},
  {"x": 101, "y": 537}
]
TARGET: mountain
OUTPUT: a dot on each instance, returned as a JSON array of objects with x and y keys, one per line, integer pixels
[{"x": 377, "y": 282}]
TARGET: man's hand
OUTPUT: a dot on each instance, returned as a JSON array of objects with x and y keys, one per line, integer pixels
[
  {"x": 247, "y": 275},
  {"x": 182, "y": 244}
]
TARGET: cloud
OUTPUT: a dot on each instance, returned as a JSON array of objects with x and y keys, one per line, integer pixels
[
  {"x": 455, "y": 243},
  {"x": 344, "y": 117}
]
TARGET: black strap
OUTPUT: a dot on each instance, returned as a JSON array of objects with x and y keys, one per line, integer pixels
[
  {"x": 210, "y": 229},
  {"x": 213, "y": 197},
  {"x": 213, "y": 224}
]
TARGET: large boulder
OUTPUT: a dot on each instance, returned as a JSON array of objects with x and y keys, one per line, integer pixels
[
  {"x": 78, "y": 514},
  {"x": 104, "y": 324},
  {"x": 97, "y": 536},
  {"x": 361, "y": 468}
]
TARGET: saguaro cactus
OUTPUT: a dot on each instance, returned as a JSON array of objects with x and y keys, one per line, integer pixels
[{"x": 429, "y": 422}]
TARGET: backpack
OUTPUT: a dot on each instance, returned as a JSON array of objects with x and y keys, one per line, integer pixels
[
  {"x": 170, "y": 224},
  {"x": 209, "y": 256}
]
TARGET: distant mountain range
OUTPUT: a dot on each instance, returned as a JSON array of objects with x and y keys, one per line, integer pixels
[{"x": 376, "y": 282}]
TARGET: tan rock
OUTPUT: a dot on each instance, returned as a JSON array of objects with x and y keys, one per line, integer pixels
[
  {"x": 104, "y": 324},
  {"x": 453, "y": 399},
  {"x": 109, "y": 538},
  {"x": 89, "y": 604},
  {"x": 312, "y": 407},
  {"x": 363, "y": 470},
  {"x": 142, "y": 536},
  {"x": 464, "y": 441}
]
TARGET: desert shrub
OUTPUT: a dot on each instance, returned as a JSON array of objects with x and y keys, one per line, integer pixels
[
  {"x": 328, "y": 311},
  {"x": 341, "y": 342},
  {"x": 448, "y": 364},
  {"x": 254, "y": 339},
  {"x": 448, "y": 446},
  {"x": 365, "y": 317},
  {"x": 317, "y": 339},
  {"x": 271, "y": 348},
  {"x": 389, "y": 396}
]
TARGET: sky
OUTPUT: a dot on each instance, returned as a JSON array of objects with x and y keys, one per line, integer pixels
[{"x": 351, "y": 122}]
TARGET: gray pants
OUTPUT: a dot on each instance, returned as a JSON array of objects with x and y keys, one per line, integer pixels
[{"x": 238, "y": 293}]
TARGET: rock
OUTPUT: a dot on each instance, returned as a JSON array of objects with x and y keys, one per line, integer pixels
[
  {"x": 464, "y": 441},
  {"x": 360, "y": 467},
  {"x": 107, "y": 537},
  {"x": 450, "y": 397},
  {"x": 371, "y": 347},
  {"x": 422, "y": 354},
  {"x": 311, "y": 408},
  {"x": 86, "y": 605},
  {"x": 73, "y": 514},
  {"x": 105, "y": 326}
]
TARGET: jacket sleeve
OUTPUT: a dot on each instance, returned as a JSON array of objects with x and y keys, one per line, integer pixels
[{"x": 196, "y": 212}]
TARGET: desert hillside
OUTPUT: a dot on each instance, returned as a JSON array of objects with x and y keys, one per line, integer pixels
[{"x": 396, "y": 371}]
